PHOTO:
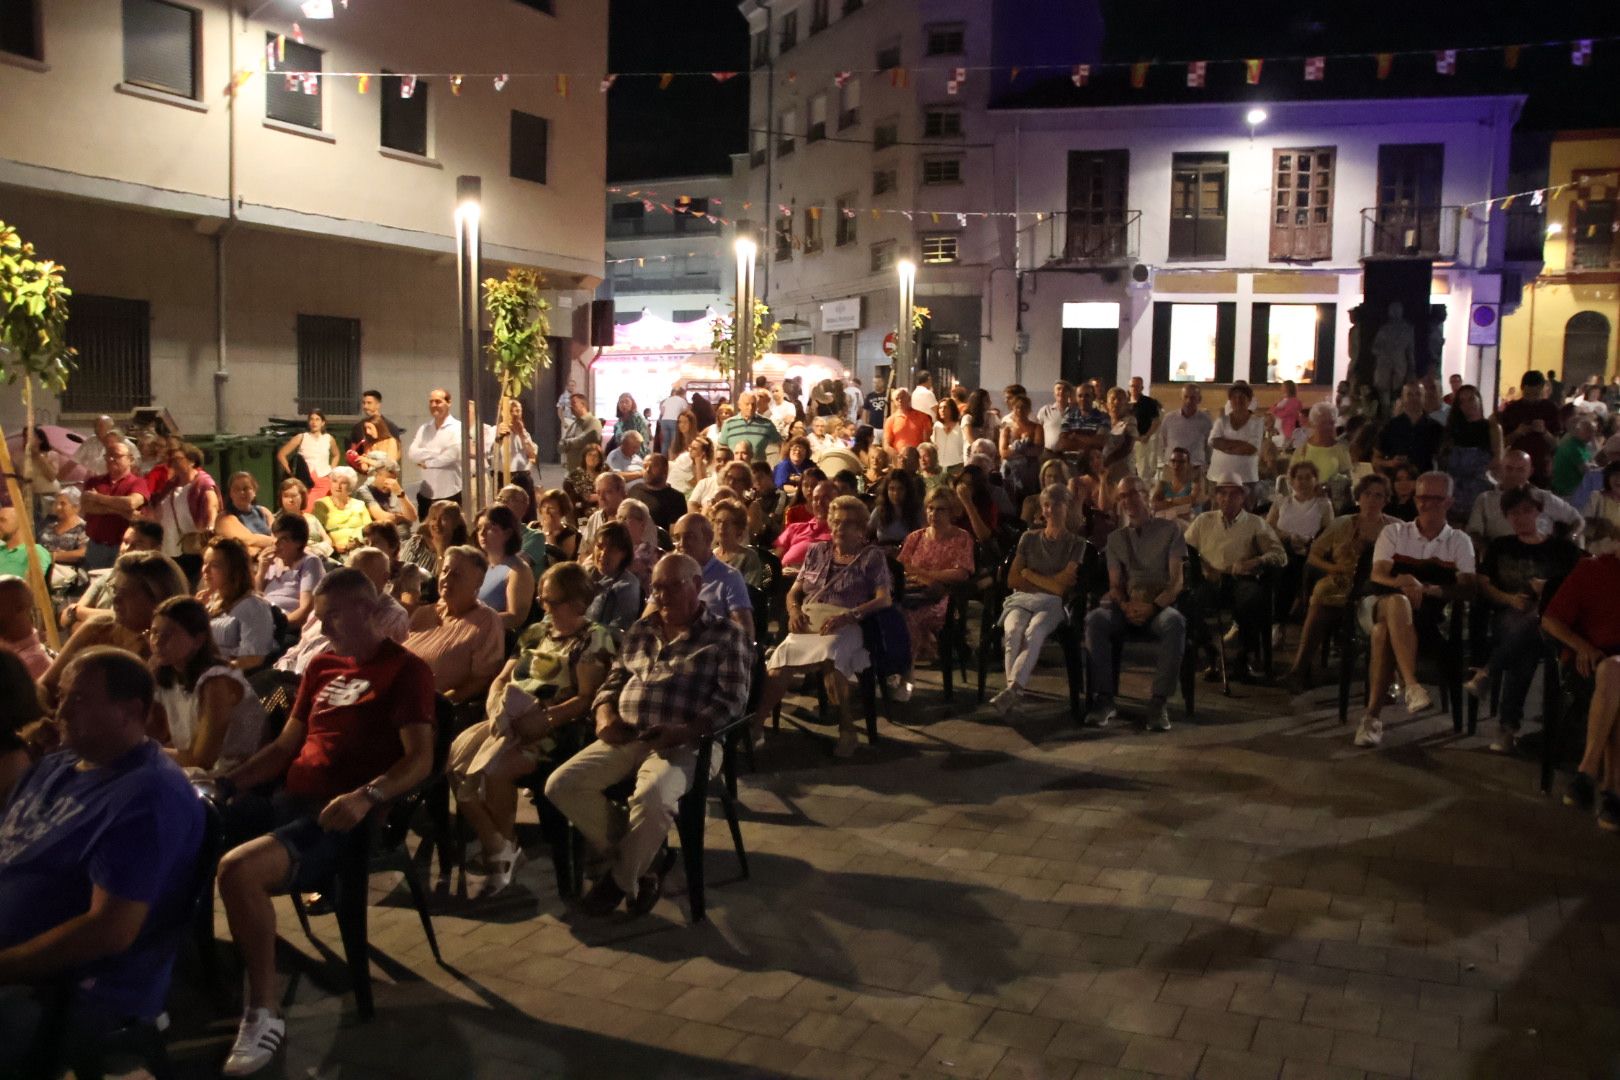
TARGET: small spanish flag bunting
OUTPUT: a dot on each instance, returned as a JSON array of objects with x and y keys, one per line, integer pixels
[
  {"x": 239, "y": 79},
  {"x": 815, "y": 213},
  {"x": 1315, "y": 68},
  {"x": 364, "y": 83},
  {"x": 1386, "y": 61},
  {"x": 407, "y": 86},
  {"x": 281, "y": 47},
  {"x": 876, "y": 213},
  {"x": 501, "y": 81},
  {"x": 298, "y": 33},
  {"x": 1445, "y": 62},
  {"x": 562, "y": 85},
  {"x": 722, "y": 76},
  {"x": 1581, "y": 54},
  {"x": 954, "y": 83},
  {"x": 1080, "y": 75},
  {"x": 841, "y": 78},
  {"x": 1507, "y": 203},
  {"x": 455, "y": 86},
  {"x": 1510, "y": 57},
  {"x": 665, "y": 79},
  {"x": 898, "y": 77},
  {"x": 1139, "y": 74},
  {"x": 1251, "y": 71},
  {"x": 1195, "y": 74},
  {"x": 607, "y": 82}
]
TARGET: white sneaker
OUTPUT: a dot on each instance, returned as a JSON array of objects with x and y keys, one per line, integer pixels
[
  {"x": 257, "y": 1041},
  {"x": 1159, "y": 719},
  {"x": 1005, "y": 702},
  {"x": 1370, "y": 732},
  {"x": 1105, "y": 717},
  {"x": 899, "y": 689},
  {"x": 502, "y": 866},
  {"x": 1418, "y": 699}
]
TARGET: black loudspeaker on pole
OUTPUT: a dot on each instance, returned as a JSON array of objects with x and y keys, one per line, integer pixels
[{"x": 601, "y": 323}]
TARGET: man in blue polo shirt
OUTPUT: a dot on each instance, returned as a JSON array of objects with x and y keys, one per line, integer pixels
[
  {"x": 752, "y": 426},
  {"x": 98, "y": 853},
  {"x": 724, "y": 591}
]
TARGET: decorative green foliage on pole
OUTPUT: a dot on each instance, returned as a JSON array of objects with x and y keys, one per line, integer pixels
[
  {"x": 33, "y": 315},
  {"x": 724, "y": 340},
  {"x": 519, "y": 330}
]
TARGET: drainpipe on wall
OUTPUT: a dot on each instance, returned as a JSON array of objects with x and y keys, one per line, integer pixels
[{"x": 221, "y": 318}]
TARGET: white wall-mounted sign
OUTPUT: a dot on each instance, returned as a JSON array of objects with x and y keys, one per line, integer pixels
[{"x": 840, "y": 315}]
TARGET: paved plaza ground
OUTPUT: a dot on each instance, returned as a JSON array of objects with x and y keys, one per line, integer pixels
[{"x": 1245, "y": 896}]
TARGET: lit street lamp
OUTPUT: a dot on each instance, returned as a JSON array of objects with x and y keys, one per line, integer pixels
[
  {"x": 469, "y": 212},
  {"x": 742, "y": 322},
  {"x": 904, "y": 353}
]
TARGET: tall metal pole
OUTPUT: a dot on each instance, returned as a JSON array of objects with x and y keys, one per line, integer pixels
[
  {"x": 747, "y": 250},
  {"x": 469, "y": 212},
  {"x": 905, "y": 353}
]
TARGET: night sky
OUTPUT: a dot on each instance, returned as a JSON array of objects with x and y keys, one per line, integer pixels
[{"x": 694, "y": 125}]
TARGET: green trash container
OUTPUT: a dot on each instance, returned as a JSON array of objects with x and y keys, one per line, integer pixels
[{"x": 256, "y": 454}]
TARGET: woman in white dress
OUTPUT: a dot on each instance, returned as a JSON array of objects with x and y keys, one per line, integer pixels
[
  {"x": 209, "y": 716},
  {"x": 843, "y": 581},
  {"x": 319, "y": 452}
]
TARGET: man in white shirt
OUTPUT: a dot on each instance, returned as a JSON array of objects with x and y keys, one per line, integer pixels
[
  {"x": 922, "y": 398},
  {"x": 610, "y": 488},
  {"x": 781, "y": 412},
  {"x": 563, "y": 411},
  {"x": 854, "y": 399},
  {"x": 1417, "y": 566},
  {"x": 1187, "y": 428},
  {"x": 1234, "y": 439},
  {"x": 436, "y": 452},
  {"x": 1486, "y": 521},
  {"x": 669, "y": 411}
]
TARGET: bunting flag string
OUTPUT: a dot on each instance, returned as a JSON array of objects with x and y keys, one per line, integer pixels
[
  {"x": 1537, "y": 197},
  {"x": 683, "y": 204},
  {"x": 1196, "y": 72}
]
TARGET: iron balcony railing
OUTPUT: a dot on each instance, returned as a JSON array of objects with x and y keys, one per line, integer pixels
[
  {"x": 1083, "y": 238},
  {"x": 1407, "y": 231}
]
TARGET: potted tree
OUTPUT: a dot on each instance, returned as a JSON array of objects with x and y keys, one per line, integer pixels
[{"x": 723, "y": 330}]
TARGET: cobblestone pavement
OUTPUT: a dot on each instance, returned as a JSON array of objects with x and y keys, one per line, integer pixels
[{"x": 1244, "y": 896}]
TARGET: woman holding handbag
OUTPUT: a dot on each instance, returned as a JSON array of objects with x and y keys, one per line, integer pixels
[{"x": 187, "y": 511}]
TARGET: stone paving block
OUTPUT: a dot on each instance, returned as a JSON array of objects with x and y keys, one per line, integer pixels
[
  {"x": 1218, "y": 1064},
  {"x": 892, "y": 1043},
  {"x": 963, "y": 1057},
  {"x": 1017, "y": 1030},
  {"x": 1372, "y": 1053},
  {"x": 1269, "y": 1003},
  {"x": 1168, "y": 1056},
  {"x": 763, "y": 1017},
  {"x": 827, "y": 1030},
  {"x": 1145, "y": 1017},
  {"x": 1294, "y": 1042}
]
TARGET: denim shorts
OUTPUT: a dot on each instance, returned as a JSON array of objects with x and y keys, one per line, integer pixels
[{"x": 312, "y": 852}]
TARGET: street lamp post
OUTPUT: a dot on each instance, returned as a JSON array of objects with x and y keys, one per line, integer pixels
[
  {"x": 905, "y": 352},
  {"x": 469, "y": 212},
  {"x": 747, "y": 250}
]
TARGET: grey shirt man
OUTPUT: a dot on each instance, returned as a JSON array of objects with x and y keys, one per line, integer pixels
[
  {"x": 1143, "y": 553},
  {"x": 1487, "y": 522}
]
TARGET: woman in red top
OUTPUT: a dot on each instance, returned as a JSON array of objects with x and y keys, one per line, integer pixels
[{"x": 1584, "y": 616}]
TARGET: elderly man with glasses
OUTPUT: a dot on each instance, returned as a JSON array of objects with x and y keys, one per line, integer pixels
[{"x": 109, "y": 503}]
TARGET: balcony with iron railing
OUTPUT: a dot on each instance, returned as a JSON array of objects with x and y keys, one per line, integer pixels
[
  {"x": 1411, "y": 232},
  {"x": 1526, "y": 233},
  {"x": 1082, "y": 238}
]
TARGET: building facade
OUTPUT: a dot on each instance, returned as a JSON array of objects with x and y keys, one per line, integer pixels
[
  {"x": 1213, "y": 242},
  {"x": 666, "y": 250},
  {"x": 236, "y": 260},
  {"x": 1569, "y": 319}
]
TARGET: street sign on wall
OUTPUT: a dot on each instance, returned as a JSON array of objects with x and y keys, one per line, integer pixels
[
  {"x": 841, "y": 315},
  {"x": 1484, "y": 324}
]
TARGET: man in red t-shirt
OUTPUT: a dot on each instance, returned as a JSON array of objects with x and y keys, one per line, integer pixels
[
  {"x": 1584, "y": 616},
  {"x": 906, "y": 427},
  {"x": 109, "y": 503},
  {"x": 360, "y": 735}
]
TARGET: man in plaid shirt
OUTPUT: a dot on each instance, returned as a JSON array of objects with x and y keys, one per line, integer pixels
[{"x": 680, "y": 670}]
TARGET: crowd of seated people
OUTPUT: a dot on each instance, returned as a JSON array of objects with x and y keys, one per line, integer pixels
[{"x": 594, "y": 631}]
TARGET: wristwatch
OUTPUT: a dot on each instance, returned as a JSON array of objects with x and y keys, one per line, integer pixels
[{"x": 374, "y": 793}]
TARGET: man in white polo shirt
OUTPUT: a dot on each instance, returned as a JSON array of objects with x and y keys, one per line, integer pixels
[
  {"x": 1188, "y": 428},
  {"x": 1417, "y": 566},
  {"x": 436, "y": 453}
]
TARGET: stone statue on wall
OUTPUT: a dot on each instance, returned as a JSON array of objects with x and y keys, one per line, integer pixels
[
  {"x": 1394, "y": 350},
  {"x": 1437, "y": 338}
]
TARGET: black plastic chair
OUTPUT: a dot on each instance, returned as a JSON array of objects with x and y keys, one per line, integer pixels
[
  {"x": 692, "y": 812},
  {"x": 1189, "y": 667},
  {"x": 1198, "y": 631},
  {"x": 1446, "y": 649},
  {"x": 1566, "y": 697},
  {"x": 380, "y": 847},
  {"x": 140, "y": 1042}
]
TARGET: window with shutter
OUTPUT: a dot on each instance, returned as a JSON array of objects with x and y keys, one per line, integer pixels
[
  {"x": 844, "y": 231},
  {"x": 294, "y": 99},
  {"x": 812, "y": 229},
  {"x": 405, "y": 119},
  {"x": 531, "y": 136},
  {"x": 942, "y": 170},
  {"x": 328, "y": 363},
  {"x": 884, "y": 181},
  {"x": 160, "y": 46},
  {"x": 784, "y": 238},
  {"x": 1098, "y": 182},
  {"x": 883, "y": 254},
  {"x": 1302, "y": 204},
  {"x": 818, "y": 119},
  {"x": 786, "y": 127},
  {"x": 1198, "y": 206},
  {"x": 942, "y": 123},
  {"x": 114, "y": 341}
]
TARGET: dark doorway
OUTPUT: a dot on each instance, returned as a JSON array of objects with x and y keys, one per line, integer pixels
[
  {"x": 1586, "y": 348},
  {"x": 1090, "y": 354}
]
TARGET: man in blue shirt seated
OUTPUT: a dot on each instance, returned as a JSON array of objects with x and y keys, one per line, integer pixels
[
  {"x": 98, "y": 853},
  {"x": 724, "y": 591}
]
